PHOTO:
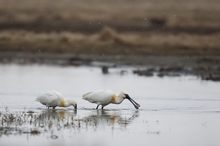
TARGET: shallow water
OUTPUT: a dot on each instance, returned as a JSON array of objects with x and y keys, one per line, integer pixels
[{"x": 174, "y": 110}]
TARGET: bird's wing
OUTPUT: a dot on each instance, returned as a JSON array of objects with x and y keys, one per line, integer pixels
[
  {"x": 99, "y": 96},
  {"x": 86, "y": 94},
  {"x": 49, "y": 98}
]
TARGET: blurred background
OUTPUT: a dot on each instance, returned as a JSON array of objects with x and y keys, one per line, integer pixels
[
  {"x": 104, "y": 27},
  {"x": 166, "y": 33},
  {"x": 171, "y": 33}
]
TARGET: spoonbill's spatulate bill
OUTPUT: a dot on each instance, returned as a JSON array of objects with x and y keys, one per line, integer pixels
[
  {"x": 54, "y": 99},
  {"x": 104, "y": 98}
]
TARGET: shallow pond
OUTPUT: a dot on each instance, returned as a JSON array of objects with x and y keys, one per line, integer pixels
[{"x": 174, "y": 110}]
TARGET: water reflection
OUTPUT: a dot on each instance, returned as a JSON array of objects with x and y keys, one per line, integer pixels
[
  {"x": 55, "y": 119},
  {"x": 61, "y": 119},
  {"x": 100, "y": 118},
  {"x": 50, "y": 121}
]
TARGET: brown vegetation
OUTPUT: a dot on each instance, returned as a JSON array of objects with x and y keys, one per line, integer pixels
[
  {"x": 110, "y": 42},
  {"x": 126, "y": 27},
  {"x": 88, "y": 16}
]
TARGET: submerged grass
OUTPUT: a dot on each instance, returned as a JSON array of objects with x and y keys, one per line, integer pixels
[{"x": 48, "y": 121}]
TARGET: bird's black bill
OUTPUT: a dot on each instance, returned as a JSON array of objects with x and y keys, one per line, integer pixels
[
  {"x": 136, "y": 105},
  {"x": 134, "y": 102}
]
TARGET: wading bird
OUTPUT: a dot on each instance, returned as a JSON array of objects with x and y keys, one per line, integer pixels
[
  {"x": 104, "y": 98},
  {"x": 54, "y": 99}
]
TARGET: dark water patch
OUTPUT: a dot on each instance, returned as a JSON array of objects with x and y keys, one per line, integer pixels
[{"x": 205, "y": 73}]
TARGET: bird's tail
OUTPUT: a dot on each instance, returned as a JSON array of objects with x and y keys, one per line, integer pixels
[{"x": 38, "y": 99}]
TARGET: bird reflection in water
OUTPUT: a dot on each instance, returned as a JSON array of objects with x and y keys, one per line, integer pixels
[
  {"x": 58, "y": 119},
  {"x": 64, "y": 119},
  {"x": 53, "y": 121},
  {"x": 102, "y": 118}
]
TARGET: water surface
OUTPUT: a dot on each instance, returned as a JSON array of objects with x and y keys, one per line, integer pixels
[{"x": 174, "y": 110}]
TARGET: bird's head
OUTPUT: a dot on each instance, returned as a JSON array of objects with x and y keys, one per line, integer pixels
[{"x": 136, "y": 105}]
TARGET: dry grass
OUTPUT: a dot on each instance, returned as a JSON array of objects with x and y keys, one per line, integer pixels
[
  {"x": 133, "y": 27},
  {"x": 98, "y": 13},
  {"x": 109, "y": 41}
]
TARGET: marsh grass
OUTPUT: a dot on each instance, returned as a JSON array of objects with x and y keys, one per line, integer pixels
[
  {"x": 103, "y": 27},
  {"x": 49, "y": 121},
  {"x": 116, "y": 13},
  {"x": 109, "y": 41}
]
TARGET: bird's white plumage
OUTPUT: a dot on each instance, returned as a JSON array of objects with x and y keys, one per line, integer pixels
[
  {"x": 99, "y": 97},
  {"x": 53, "y": 99},
  {"x": 104, "y": 98},
  {"x": 50, "y": 99}
]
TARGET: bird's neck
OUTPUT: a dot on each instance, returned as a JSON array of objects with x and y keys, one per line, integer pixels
[
  {"x": 116, "y": 99},
  {"x": 63, "y": 103}
]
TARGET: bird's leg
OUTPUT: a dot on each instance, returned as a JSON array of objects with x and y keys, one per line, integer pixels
[
  {"x": 102, "y": 107},
  {"x": 54, "y": 107},
  {"x": 97, "y": 106}
]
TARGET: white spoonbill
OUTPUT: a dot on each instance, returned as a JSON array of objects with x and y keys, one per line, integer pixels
[
  {"x": 106, "y": 97},
  {"x": 54, "y": 99}
]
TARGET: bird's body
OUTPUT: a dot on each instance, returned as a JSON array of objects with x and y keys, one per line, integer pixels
[
  {"x": 104, "y": 98},
  {"x": 54, "y": 99}
]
